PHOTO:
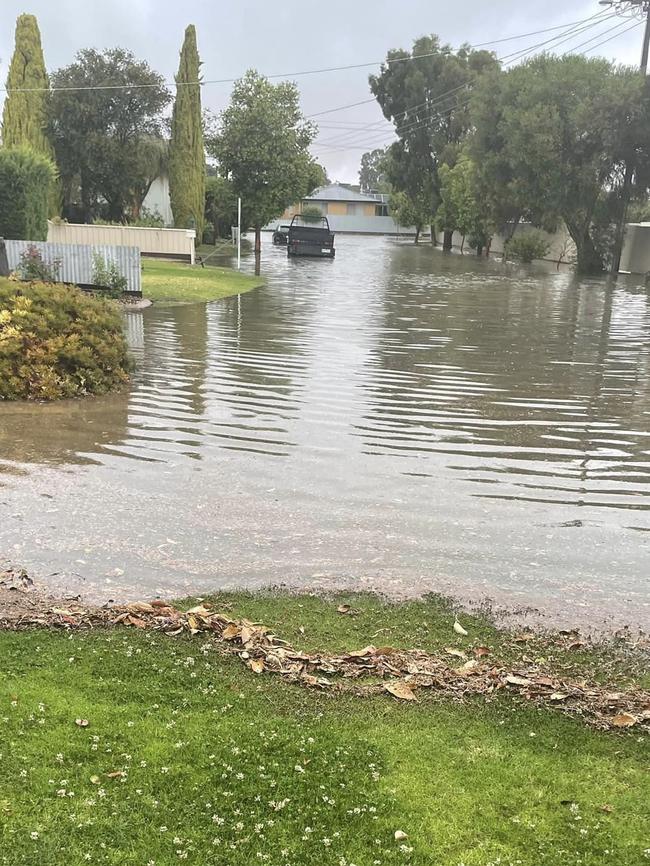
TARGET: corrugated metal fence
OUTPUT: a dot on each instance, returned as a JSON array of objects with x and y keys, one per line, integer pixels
[{"x": 77, "y": 261}]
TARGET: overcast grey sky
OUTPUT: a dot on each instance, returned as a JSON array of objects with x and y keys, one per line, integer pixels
[{"x": 278, "y": 36}]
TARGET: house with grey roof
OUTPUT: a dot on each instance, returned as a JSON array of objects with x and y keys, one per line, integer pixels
[{"x": 350, "y": 211}]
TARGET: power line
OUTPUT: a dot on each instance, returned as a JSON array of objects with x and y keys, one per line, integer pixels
[
  {"x": 300, "y": 73},
  {"x": 603, "y": 15},
  {"x": 332, "y": 143},
  {"x": 507, "y": 59}
]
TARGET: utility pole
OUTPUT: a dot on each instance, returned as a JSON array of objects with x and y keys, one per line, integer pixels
[{"x": 635, "y": 6}]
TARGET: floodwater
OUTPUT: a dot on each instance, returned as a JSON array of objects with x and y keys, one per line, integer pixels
[{"x": 396, "y": 419}]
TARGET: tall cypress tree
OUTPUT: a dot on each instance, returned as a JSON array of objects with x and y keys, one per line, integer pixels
[
  {"x": 24, "y": 114},
  {"x": 186, "y": 154}
]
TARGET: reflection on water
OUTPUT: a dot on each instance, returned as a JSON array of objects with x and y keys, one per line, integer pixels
[{"x": 395, "y": 415}]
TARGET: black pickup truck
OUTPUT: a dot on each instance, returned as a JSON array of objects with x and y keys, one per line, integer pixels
[{"x": 309, "y": 237}]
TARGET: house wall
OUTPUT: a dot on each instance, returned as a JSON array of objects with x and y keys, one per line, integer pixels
[
  {"x": 168, "y": 243},
  {"x": 158, "y": 200},
  {"x": 635, "y": 258}
]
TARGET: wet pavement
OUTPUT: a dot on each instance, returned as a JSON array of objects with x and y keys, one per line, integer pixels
[{"x": 395, "y": 419}]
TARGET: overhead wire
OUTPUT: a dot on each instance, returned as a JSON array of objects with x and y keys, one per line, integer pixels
[{"x": 352, "y": 143}]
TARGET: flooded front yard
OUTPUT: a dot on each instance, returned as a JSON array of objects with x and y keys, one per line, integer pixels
[{"x": 394, "y": 419}]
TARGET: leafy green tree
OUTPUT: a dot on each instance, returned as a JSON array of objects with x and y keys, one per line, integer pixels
[
  {"x": 551, "y": 142},
  {"x": 262, "y": 147},
  {"x": 461, "y": 207},
  {"x": 186, "y": 151},
  {"x": 410, "y": 212},
  {"x": 220, "y": 205},
  {"x": 316, "y": 177},
  {"x": 427, "y": 100},
  {"x": 372, "y": 174},
  {"x": 100, "y": 132},
  {"x": 153, "y": 162}
]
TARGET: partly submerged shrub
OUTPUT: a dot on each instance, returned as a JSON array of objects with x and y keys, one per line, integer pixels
[
  {"x": 55, "y": 342},
  {"x": 528, "y": 246}
]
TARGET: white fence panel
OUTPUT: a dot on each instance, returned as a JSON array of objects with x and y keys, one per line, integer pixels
[
  {"x": 77, "y": 260},
  {"x": 167, "y": 243}
]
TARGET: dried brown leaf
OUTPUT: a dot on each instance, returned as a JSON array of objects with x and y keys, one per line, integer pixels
[
  {"x": 256, "y": 665},
  {"x": 459, "y": 654},
  {"x": 624, "y": 720},
  {"x": 514, "y": 680},
  {"x": 401, "y": 690},
  {"x": 231, "y": 631}
]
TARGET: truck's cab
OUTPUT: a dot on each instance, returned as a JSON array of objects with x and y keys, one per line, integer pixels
[{"x": 310, "y": 237}]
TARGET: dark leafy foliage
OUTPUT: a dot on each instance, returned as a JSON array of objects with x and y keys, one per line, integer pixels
[
  {"x": 25, "y": 179},
  {"x": 57, "y": 342}
]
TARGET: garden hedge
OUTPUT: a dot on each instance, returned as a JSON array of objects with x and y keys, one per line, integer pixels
[{"x": 25, "y": 182}]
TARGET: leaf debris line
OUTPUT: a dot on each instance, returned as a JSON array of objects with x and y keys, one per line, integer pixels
[{"x": 401, "y": 673}]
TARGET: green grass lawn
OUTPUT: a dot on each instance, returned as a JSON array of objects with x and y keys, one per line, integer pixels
[
  {"x": 190, "y": 757},
  {"x": 173, "y": 281}
]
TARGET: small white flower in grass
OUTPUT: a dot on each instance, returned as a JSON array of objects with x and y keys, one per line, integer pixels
[
  {"x": 164, "y": 769},
  {"x": 33, "y": 835},
  {"x": 299, "y": 769}
]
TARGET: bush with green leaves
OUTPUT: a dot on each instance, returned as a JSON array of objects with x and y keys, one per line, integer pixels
[
  {"x": 25, "y": 181},
  {"x": 528, "y": 246},
  {"x": 56, "y": 342},
  {"x": 33, "y": 267},
  {"x": 107, "y": 276},
  {"x": 311, "y": 213}
]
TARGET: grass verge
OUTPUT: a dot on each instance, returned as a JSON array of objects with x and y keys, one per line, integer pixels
[
  {"x": 190, "y": 757},
  {"x": 172, "y": 281}
]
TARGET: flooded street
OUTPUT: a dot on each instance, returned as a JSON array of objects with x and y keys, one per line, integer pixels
[{"x": 394, "y": 419}]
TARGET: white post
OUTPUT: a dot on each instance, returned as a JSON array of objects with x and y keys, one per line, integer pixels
[{"x": 239, "y": 234}]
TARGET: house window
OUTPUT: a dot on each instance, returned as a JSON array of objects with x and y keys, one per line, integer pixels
[{"x": 381, "y": 210}]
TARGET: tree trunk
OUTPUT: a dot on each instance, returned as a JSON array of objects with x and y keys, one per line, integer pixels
[
  {"x": 417, "y": 235},
  {"x": 434, "y": 239},
  {"x": 479, "y": 250},
  {"x": 589, "y": 260},
  {"x": 447, "y": 240},
  {"x": 511, "y": 234},
  {"x": 487, "y": 249},
  {"x": 258, "y": 240},
  {"x": 462, "y": 245}
]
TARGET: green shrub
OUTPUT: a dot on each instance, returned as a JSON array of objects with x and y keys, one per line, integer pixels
[
  {"x": 527, "y": 246},
  {"x": 33, "y": 267},
  {"x": 311, "y": 213},
  {"x": 57, "y": 342},
  {"x": 106, "y": 275},
  {"x": 25, "y": 182}
]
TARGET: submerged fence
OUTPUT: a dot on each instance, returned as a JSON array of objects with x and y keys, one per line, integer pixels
[{"x": 76, "y": 261}]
